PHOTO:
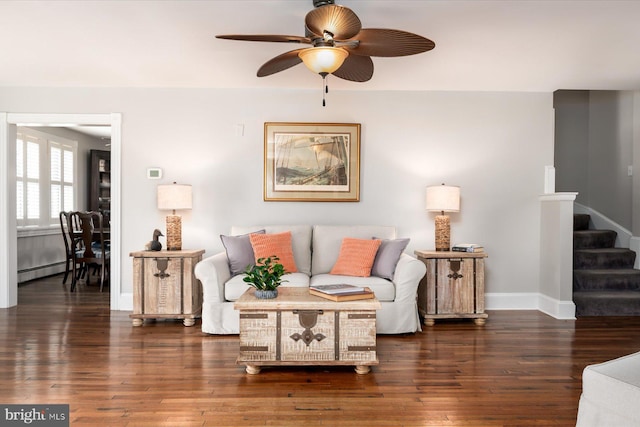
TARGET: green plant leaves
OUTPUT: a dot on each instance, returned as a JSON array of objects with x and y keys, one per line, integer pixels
[{"x": 266, "y": 274}]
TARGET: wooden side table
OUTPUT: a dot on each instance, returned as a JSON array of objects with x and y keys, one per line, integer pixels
[
  {"x": 453, "y": 286},
  {"x": 165, "y": 287}
]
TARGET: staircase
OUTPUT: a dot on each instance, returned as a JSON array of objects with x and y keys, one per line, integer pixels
[{"x": 604, "y": 280}]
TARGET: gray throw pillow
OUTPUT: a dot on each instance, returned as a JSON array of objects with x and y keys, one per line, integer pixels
[
  {"x": 239, "y": 252},
  {"x": 387, "y": 257}
]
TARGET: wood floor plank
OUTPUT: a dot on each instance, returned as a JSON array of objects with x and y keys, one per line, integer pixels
[{"x": 522, "y": 368}]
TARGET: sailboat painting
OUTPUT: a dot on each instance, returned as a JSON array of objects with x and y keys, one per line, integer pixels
[{"x": 312, "y": 162}]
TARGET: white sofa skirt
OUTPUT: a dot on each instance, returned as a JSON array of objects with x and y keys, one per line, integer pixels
[{"x": 611, "y": 393}]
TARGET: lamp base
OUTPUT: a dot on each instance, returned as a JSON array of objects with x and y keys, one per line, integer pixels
[
  {"x": 174, "y": 232},
  {"x": 443, "y": 233}
]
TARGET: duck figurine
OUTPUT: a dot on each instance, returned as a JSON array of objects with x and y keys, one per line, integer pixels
[{"x": 155, "y": 245}]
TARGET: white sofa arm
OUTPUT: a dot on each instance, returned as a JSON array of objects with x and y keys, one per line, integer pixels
[
  {"x": 409, "y": 272},
  {"x": 213, "y": 272}
]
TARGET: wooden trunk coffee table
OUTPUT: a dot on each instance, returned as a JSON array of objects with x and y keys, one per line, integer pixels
[{"x": 298, "y": 328}]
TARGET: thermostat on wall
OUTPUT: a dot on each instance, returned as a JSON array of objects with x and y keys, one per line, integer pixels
[{"x": 154, "y": 173}]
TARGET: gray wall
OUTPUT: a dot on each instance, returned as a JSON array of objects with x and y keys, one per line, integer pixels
[
  {"x": 571, "y": 151},
  {"x": 636, "y": 173},
  {"x": 593, "y": 149}
]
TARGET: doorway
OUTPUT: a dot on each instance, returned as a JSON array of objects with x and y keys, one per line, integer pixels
[{"x": 8, "y": 228}]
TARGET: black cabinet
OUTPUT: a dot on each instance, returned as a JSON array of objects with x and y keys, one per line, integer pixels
[{"x": 100, "y": 183}]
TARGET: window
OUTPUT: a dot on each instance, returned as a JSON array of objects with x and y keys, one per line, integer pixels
[
  {"x": 62, "y": 169},
  {"x": 45, "y": 177},
  {"x": 28, "y": 179}
]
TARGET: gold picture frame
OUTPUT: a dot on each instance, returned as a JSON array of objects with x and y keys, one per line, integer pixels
[{"x": 312, "y": 162}]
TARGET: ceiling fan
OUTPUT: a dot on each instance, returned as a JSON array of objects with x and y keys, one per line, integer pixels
[{"x": 339, "y": 44}]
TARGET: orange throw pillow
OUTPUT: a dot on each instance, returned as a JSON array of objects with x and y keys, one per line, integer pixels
[
  {"x": 279, "y": 244},
  {"x": 356, "y": 257}
]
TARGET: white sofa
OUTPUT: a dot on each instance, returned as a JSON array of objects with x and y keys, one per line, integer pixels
[
  {"x": 315, "y": 250},
  {"x": 611, "y": 393}
]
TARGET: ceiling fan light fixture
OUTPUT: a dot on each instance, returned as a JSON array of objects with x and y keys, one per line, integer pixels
[{"x": 323, "y": 60}]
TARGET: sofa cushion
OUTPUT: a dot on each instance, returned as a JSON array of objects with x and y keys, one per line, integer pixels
[
  {"x": 383, "y": 288},
  {"x": 387, "y": 257},
  {"x": 327, "y": 240},
  {"x": 278, "y": 245},
  {"x": 235, "y": 286},
  {"x": 239, "y": 252},
  {"x": 356, "y": 257},
  {"x": 300, "y": 241}
]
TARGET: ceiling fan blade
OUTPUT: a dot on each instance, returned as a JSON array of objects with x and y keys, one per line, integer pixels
[
  {"x": 280, "y": 63},
  {"x": 355, "y": 68},
  {"x": 340, "y": 21},
  {"x": 387, "y": 42},
  {"x": 265, "y": 38}
]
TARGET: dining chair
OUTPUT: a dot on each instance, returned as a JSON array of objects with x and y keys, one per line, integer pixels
[
  {"x": 90, "y": 245},
  {"x": 68, "y": 229},
  {"x": 64, "y": 218}
]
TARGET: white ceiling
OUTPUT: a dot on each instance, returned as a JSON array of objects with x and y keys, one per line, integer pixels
[{"x": 506, "y": 45}]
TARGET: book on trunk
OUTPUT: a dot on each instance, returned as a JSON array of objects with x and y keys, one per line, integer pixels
[
  {"x": 365, "y": 293},
  {"x": 338, "y": 289}
]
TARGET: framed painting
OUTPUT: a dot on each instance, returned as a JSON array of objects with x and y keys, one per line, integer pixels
[{"x": 312, "y": 162}]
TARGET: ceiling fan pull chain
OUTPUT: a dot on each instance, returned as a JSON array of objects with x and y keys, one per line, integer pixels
[{"x": 325, "y": 89}]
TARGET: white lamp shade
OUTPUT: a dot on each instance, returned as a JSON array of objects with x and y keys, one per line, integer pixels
[
  {"x": 174, "y": 196},
  {"x": 323, "y": 60},
  {"x": 443, "y": 198}
]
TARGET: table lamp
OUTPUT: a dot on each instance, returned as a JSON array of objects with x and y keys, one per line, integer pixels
[
  {"x": 173, "y": 197},
  {"x": 443, "y": 198}
]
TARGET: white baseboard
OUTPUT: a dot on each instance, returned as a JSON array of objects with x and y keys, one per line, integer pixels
[
  {"x": 556, "y": 308},
  {"x": 493, "y": 301},
  {"x": 37, "y": 273},
  {"x": 511, "y": 301},
  {"x": 531, "y": 301}
]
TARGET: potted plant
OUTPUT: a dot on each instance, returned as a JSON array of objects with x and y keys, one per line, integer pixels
[{"x": 265, "y": 277}]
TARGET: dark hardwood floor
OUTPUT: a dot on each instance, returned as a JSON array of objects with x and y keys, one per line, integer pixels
[{"x": 522, "y": 368}]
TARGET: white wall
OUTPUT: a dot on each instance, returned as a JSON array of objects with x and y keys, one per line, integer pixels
[
  {"x": 556, "y": 255},
  {"x": 494, "y": 145}
]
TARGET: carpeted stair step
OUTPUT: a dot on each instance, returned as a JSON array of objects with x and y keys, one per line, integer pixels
[
  {"x": 590, "y": 259},
  {"x": 607, "y": 303},
  {"x": 593, "y": 239},
  {"x": 606, "y": 280},
  {"x": 581, "y": 221}
]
